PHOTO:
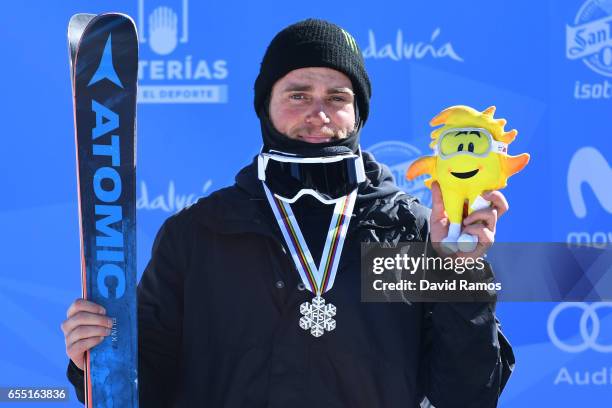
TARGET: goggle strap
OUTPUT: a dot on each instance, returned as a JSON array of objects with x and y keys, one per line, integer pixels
[
  {"x": 360, "y": 170},
  {"x": 261, "y": 167},
  {"x": 262, "y": 162}
]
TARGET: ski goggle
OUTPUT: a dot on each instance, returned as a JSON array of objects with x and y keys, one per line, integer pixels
[
  {"x": 477, "y": 142},
  {"x": 328, "y": 179}
]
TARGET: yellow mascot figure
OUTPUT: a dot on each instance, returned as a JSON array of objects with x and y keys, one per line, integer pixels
[{"x": 470, "y": 156}]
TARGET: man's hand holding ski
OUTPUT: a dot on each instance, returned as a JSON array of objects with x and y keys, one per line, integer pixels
[{"x": 85, "y": 327}]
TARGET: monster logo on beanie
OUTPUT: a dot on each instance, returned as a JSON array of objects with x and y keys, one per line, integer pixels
[
  {"x": 350, "y": 41},
  {"x": 311, "y": 43}
]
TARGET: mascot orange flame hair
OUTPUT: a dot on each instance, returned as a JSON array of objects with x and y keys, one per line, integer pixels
[{"x": 470, "y": 156}]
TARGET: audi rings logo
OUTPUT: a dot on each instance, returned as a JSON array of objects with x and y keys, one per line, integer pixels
[{"x": 589, "y": 334}]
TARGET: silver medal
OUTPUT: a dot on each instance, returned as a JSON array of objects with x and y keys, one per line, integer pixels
[{"x": 317, "y": 316}]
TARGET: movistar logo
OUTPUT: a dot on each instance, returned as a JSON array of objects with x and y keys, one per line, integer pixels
[
  {"x": 588, "y": 166},
  {"x": 106, "y": 69},
  {"x": 350, "y": 41}
]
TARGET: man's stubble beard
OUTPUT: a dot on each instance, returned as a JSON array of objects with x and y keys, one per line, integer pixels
[{"x": 326, "y": 131}]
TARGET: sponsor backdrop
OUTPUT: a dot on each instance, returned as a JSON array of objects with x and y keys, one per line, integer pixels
[{"x": 546, "y": 65}]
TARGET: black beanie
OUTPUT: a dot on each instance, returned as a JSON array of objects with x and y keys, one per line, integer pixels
[{"x": 311, "y": 43}]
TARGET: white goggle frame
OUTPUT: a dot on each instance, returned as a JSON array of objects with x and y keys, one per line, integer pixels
[
  {"x": 494, "y": 145},
  {"x": 264, "y": 158}
]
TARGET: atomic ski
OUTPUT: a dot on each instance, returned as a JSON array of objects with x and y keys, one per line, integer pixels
[{"x": 103, "y": 66}]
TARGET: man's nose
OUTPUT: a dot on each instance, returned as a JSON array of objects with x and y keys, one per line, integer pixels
[{"x": 317, "y": 115}]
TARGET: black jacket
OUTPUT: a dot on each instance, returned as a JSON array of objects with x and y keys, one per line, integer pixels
[{"x": 219, "y": 305}]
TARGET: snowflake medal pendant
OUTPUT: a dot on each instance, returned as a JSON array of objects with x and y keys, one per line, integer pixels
[{"x": 317, "y": 316}]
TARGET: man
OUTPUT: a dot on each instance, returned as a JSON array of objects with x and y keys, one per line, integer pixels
[{"x": 220, "y": 302}]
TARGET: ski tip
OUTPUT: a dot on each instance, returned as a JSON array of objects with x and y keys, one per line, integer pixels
[
  {"x": 76, "y": 27},
  {"x": 118, "y": 15},
  {"x": 82, "y": 23},
  {"x": 79, "y": 21}
]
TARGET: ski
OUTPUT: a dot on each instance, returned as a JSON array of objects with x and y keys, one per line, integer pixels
[
  {"x": 76, "y": 26},
  {"x": 103, "y": 53}
]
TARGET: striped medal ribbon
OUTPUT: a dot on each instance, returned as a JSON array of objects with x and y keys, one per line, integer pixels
[{"x": 317, "y": 315}]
